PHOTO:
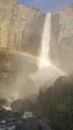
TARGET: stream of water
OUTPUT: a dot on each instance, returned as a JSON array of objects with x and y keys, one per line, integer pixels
[{"x": 44, "y": 50}]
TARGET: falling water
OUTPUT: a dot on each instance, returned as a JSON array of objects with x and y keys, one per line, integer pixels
[{"x": 44, "y": 51}]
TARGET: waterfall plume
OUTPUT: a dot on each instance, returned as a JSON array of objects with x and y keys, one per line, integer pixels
[{"x": 44, "y": 49}]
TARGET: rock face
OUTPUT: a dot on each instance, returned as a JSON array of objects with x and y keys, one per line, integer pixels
[
  {"x": 61, "y": 39},
  {"x": 20, "y": 35},
  {"x": 15, "y": 30}
]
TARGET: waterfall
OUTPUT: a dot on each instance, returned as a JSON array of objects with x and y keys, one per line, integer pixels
[{"x": 44, "y": 50}]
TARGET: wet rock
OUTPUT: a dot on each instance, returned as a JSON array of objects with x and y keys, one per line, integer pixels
[
  {"x": 13, "y": 120},
  {"x": 16, "y": 105},
  {"x": 44, "y": 124},
  {"x": 32, "y": 124},
  {"x": 28, "y": 124}
]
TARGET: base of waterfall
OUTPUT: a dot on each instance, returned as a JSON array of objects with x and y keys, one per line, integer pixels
[
  {"x": 10, "y": 120},
  {"x": 44, "y": 75}
]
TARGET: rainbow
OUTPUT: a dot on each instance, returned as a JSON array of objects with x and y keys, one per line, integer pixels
[{"x": 34, "y": 57}]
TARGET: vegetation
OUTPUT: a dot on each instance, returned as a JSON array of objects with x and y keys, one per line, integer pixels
[{"x": 56, "y": 104}]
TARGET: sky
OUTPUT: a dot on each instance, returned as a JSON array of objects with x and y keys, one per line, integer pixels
[{"x": 46, "y": 5}]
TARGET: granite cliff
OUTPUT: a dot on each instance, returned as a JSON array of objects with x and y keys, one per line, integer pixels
[
  {"x": 20, "y": 31},
  {"x": 61, "y": 47}
]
